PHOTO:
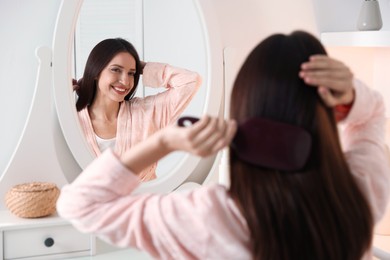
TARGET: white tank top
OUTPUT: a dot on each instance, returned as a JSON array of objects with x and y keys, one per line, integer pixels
[{"x": 105, "y": 143}]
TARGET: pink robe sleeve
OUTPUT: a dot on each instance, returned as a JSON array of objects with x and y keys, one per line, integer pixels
[
  {"x": 363, "y": 139},
  {"x": 191, "y": 225},
  {"x": 181, "y": 85}
]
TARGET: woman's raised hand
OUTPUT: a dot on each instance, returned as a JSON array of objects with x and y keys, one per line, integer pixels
[
  {"x": 204, "y": 138},
  {"x": 332, "y": 77}
]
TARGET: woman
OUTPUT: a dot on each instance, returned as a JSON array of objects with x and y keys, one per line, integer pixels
[
  {"x": 321, "y": 205},
  {"x": 109, "y": 113}
]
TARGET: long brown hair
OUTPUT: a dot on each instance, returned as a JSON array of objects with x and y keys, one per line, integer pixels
[
  {"x": 318, "y": 212},
  {"x": 97, "y": 60}
]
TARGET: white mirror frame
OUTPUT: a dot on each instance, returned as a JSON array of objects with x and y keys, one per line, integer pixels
[
  {"x": 62, "y": 75},
  {"x": 64, "y": 96}
]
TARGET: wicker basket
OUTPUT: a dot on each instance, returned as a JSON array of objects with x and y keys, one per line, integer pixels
[{"x": 32, "y": 200}]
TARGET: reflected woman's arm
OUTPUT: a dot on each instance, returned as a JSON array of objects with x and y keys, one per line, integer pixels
[{"x": 181, "y": 86}]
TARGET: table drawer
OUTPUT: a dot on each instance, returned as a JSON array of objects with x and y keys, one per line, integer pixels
[{"x": 44, "y": 241}]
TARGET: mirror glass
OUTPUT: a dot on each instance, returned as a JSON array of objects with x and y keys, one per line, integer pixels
[{"x": 161, "y": 34}]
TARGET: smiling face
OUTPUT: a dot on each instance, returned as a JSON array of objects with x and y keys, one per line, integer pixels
[{"x": 117, "y": 79}]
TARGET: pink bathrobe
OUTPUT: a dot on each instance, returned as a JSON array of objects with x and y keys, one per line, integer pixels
[
  {"x": 206, "y": 223},
  {"x": 139, "y": 118}
]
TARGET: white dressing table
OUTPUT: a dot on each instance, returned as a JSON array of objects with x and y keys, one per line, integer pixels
[
  {"x": 108, "y": 252},
  {"x": 42, "y": 238}
]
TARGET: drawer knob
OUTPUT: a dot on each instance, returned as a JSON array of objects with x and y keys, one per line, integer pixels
[{"x": 49, "y": 242}]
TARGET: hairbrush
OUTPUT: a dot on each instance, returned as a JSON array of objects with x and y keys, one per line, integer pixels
[{"x": 268, "y": 143}]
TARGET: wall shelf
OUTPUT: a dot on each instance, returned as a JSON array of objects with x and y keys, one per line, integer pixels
[{"x": 357, "y": 39}]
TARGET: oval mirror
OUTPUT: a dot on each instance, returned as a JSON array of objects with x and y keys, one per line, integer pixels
[{"x": 160, "y": 33}]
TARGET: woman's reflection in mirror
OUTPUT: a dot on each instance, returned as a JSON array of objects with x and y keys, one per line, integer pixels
[{"x": 110, "y": 114}]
